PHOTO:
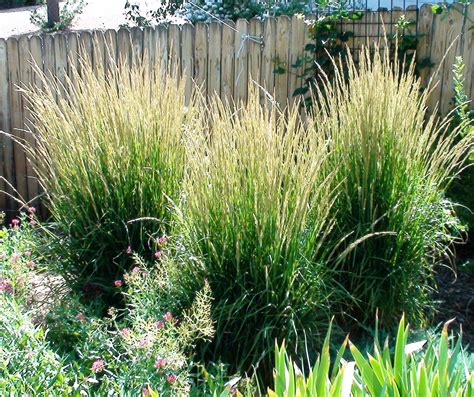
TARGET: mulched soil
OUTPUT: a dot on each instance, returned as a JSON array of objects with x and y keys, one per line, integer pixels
[{"x": 456, "y": 295}]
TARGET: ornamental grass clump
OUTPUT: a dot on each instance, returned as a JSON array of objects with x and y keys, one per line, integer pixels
[
  {"x": 256, "y": 211},
  {"x": 110, "y": 158},
  {"x": 392, "y": 163}
]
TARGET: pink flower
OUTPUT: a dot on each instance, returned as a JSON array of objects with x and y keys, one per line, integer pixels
[
  {"x": 32, "y": 223},
  {"x": 160, "y": 362},
  {"x": 125, "y": 332},
  {"x": 158, "y": 254},
  {"x": 162, "y": 240},
  {"x": 171, "y": 378},
  {"x": 146, "y": 391},
  {"x": 81, "y": 316},
  {"x": 14, "y": 258},
  {"x": 5, "y": 285},
  {"x": 167, "y": 316},
  {"x": 27, "y": 253},
  {"x": 136, "y": 269},
  {"x": 15, "y": 222},
  {"x": 31, "y": 264},
  {"x": 98, "y": 365},
  {"x": 159, "y": 324},
  {"x": 144, "y": 342},
  {"x": 3, "y": 255},
  {"x": 32, "y": 210},
  {"x": 118, "y": 283}
]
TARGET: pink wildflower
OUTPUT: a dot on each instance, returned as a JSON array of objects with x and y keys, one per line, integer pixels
[
  {"x": 167, "y": 316},
  {"x": 118, "y": 283},
  {"x": 128, "y": 251},
  {"x": 32, "y": 223},
  {"x": 27, "y": 253},
  {"x": 32, "y": 210},
  {"x": 98, "y": 365},
  {"x": 159, "y": 324},
  {"x": 14, "y": 258},
  {"x": 162, "y": 240},
  {"x": 5, "y": 285},
  {"x": 136, "y": 269},
  {"x": 158, "y": 254},
  {"x": 3, "y": 255},
  {"x": 171, "y": 378},
  {"x": 160, "y": 362},
  {"x": 31, "y": 264},
  {"x": 81, "y": 316},
  {"x": 125, "y": 332},
  {"x": 146, "y": 391},
  {"x": 15, "y": 222},
  {"x": 144, "y": 342}
]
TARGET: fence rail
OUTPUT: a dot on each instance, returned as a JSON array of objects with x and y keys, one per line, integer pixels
[{"x": 223, "y": 58}]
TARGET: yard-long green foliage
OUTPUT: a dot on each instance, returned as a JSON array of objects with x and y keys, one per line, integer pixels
[
  {"x": 392, "y": 164},
  {"x": 429, "y": 369},
  {"x": 110, "y": 152},
  {"x": 256, "y": 209}
]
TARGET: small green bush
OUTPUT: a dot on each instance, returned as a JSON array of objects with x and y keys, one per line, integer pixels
[
  {"x": 110, "y": 157},
  {"x": 433, "y": 369}
]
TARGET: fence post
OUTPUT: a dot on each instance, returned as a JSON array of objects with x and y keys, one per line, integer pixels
[{"x": 53, "y": 12}]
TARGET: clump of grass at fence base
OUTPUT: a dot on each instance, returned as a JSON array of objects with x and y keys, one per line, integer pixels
[
  {"x": 256, "y": 210},
  {"x": 109, "y": 153},
  {"x": 392, "y": 166}
]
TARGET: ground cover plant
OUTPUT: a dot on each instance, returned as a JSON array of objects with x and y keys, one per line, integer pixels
[{"x": 110, "y": 158}]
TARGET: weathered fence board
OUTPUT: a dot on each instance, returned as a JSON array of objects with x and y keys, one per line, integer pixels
[{"x": 221, "y": 58}]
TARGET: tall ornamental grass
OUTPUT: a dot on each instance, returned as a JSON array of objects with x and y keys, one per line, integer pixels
[
  {"x": 110, "y": 158},
  {"x": 256, "y": 209},
  {"x": 392, "y": 164}
]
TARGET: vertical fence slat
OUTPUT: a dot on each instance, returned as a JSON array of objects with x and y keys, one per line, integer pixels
[
  {"x": 214, "y": 61},
  {"x": 297, "y": 44},
  {"x": 187, "y": 59},
  {"x": 255, "y": 50},
  {"x": 200, "y": 56},
  {"x": 268, "y": 55},
  {"x": 99, "y": 49},
  {"x": 227, "y": 60},
  {"x": 16, "y": 117},
  {"x": 174, "y": 45},
  {"x": 5, "y": 143},
  {"x": 25, "y": 81},
  {"x": 36, "y": 66},
  {"x": 111, "y": 47},
  {"x": 281, "y": 53},
  {"x": 241, "y": 60},
  {"x": 149, "y": 45},
  {"x": 123, "y": 46}
]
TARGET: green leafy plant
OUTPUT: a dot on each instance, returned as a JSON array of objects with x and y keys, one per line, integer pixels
[
  {"x": 110, "y": 158},
  {"x": 70, "y": 10},
  {"x": 328, "y": 41},
  {"x": 424, "y": 368},
  {"x": 392, "y": 170}
]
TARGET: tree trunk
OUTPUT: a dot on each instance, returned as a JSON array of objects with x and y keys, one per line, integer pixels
[{"x": 53, "y": 12}]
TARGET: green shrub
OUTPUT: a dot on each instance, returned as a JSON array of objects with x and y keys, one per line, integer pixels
[
  {"x": 422, "y": 368},
  {"x": 110, "y": 157},
  {"x": 255, "y": 210},
  {"x": 392, "y": 170}
]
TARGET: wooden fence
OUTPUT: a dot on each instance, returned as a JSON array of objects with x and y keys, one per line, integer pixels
[{"x": 223, "y": 58}]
